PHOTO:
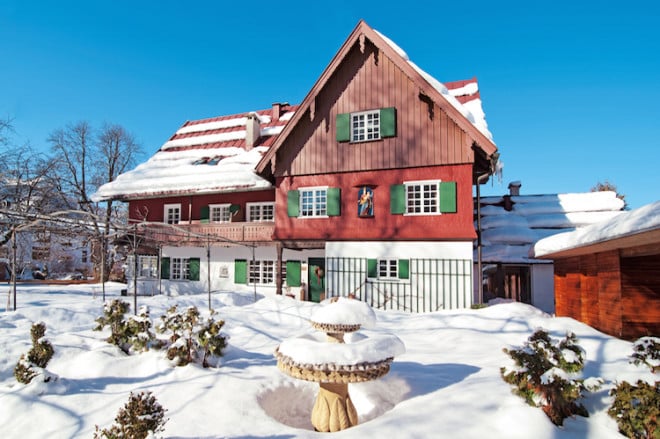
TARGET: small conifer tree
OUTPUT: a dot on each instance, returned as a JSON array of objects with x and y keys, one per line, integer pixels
[
  {"x": 132, "y": 333},
  {"x": 141, "y": 417},
  {"x": 546, "y": 375},
  {"x": 37, "y": 357}
]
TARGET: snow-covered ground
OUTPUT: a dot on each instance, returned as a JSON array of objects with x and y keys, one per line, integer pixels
[{"x": 446, "y": 384}]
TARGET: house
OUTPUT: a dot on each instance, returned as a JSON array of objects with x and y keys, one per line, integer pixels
[
  {"x": 509, "y": 226},
  {"x": 364, "y": 189},
  {"x": 607, "y": 275}
]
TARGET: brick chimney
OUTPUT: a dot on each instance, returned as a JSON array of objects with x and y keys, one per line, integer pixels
[
  {"x": 514, "y": 188},
  {"x": 252, "y": 131},
  {"x": 278, "y": 109}
]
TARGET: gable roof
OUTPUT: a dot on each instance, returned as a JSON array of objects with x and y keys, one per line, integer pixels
[
  {"x": 473, "y": 123},
  {"x": 510, "y": 225},
  {"x": 203, "y": 156}
]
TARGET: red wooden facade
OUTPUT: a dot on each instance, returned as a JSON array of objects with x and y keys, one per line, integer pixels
[
  {"x": 615, "y": 291},
  {"x": 433, "y": 141},
  {"x": 383, "y": 225}
]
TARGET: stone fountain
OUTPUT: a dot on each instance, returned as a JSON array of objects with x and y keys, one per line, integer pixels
[{"x": 334, "y": 361}]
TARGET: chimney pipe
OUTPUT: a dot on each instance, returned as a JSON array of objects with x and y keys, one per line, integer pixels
[
  {"x": 252, "y": 131},
  {"x": 514, "y": 188},
  {"x": 278, "y": 108}
]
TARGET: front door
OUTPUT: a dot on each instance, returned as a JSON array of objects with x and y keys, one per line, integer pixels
[{"x": 316, "y": 279}]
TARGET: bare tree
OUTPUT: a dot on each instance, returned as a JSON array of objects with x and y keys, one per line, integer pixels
[
  {"x": 607, "y": 186},
  {"x": 87, "y": 159}
]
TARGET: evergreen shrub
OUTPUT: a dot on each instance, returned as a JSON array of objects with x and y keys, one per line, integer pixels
[
  {"x": 37, "y": 357},
  {"x": 141, "y": 417},
  {"x": 547, "y": 375}
]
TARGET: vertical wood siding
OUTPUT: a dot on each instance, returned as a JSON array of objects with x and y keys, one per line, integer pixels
[
  {"x": 619, "y": 296},
  {"x": 365, "y": 81}
]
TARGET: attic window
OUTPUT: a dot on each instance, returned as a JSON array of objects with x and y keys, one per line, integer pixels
[
  {"x": 211, "y": 161},
  {"x": 366, "y": 126}
]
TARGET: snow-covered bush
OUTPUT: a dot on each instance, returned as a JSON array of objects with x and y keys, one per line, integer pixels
[
  {"x": 646, "y": 350},
  {"x": 636, "y": 408},
  {"x": 191, "y": 338},
  {"x": 130, "y": 334},
  {"x": 547, "y": 375},
  {"x": 142, "y": 416},
  {"x": 37, "y": 358}
]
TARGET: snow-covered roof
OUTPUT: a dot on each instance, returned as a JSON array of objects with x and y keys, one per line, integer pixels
[
  {"x": 508, "y": 235},
  {"x": 642, "y": 220},
  {"x": 203, "y": 156},
  {"x": 462, "y": 95}
]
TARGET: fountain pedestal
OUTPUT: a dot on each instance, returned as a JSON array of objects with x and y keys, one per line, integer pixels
[{"x": 334, "y": 364}]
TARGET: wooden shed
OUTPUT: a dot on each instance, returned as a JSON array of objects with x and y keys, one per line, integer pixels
[{"x": 608, "y": 275}]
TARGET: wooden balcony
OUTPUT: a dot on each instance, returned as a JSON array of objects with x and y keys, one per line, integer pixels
[{"x": 196, "y": 233}]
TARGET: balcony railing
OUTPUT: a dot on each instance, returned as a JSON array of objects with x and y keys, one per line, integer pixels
[{"x": 196, "y": 232}]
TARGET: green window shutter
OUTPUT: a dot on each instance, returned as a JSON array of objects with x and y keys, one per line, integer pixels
[
  {"x": 293, "y": 273},
  {"x": 240, "y": 271},
  {"x": 193, "y": 269},
  {"x": 165, "y": 268},
  {"x": 404, "y": 269},
  {"x": 334, "y": 201},
  {"x": 448, "y": 197},
  {"x": 293, "y": 203},
  {"x": 343, "y": 127},
  {"x": 398, "y": 199},
  {"x": 372, "y": 268},
  {"x": 388, "y": 122},
  {"x": 204, "y": 214}
]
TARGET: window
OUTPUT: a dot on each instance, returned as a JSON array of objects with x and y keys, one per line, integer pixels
[
  {"x": 388, "y": 269},
  {"x": 219, "y": 213},
  {"x": 83, "y": 256},
  {"x": 423, "y": 198},
  {"x": 366, "y": 126},
  {"x": 172, "y": 213},
  {"x": 261, "y": 211},
  {"x": 313, "y": 202},
  {"x": 261, "y": 272},
  {"x": 179, "y": 268},
  {"x": 147, "y": 267}
]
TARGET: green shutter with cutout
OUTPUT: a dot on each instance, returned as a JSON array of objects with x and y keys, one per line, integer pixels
[
  {"x": 343, "y": 127},
  {"x": 398, "y": 199},
  {"x": 388, "y": 122},
  {"x": 333, "y": 206},
  {"x": 193, "y": 269},
  {"x": 293, "y": 203},
  {"x": 293, "y": 273},
  {"x": 372, "y": 268},
  {"x": 204, "y": 214},
  {"x": 240, "y": 271},
  {"x": 404, "y": 269},
  {"x": 165, "y": 268},
  {"x": 448, "y": 197}
]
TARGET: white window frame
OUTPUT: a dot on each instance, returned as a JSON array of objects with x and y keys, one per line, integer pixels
[
  {"x": 147, "y": 267},
  {"x": 388, "y": 269},
  {"x": 260, "y": 208},
  {"x": 179, "y": 268},
  {"x": 318, "y": 203},
  {"x": 365, "y": 126},
  {"x": 429, "y": 205},
  {"x": 223, "y": 210},
  {"x": 172, "y": 213},
  {"x": 261, "y": 272}
]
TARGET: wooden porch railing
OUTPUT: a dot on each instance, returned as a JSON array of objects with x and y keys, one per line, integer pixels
[{"x": 201, "y": 233}]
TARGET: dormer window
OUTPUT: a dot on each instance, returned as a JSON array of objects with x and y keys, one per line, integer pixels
[{"x": 366, "y": 126}]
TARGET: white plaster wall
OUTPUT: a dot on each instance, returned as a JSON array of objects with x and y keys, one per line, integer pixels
[
  {"x": 543, "y": 287},
  {"x": 401, "y": 249}
]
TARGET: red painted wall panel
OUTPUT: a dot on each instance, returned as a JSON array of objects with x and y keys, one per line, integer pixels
[{"x": 383, "y": 225}]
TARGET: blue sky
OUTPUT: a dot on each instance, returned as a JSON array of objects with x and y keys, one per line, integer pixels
[{"x": 571, "y": 90}]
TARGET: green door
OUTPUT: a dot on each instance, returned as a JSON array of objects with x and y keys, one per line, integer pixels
[{"x": 316, "y": 279}]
